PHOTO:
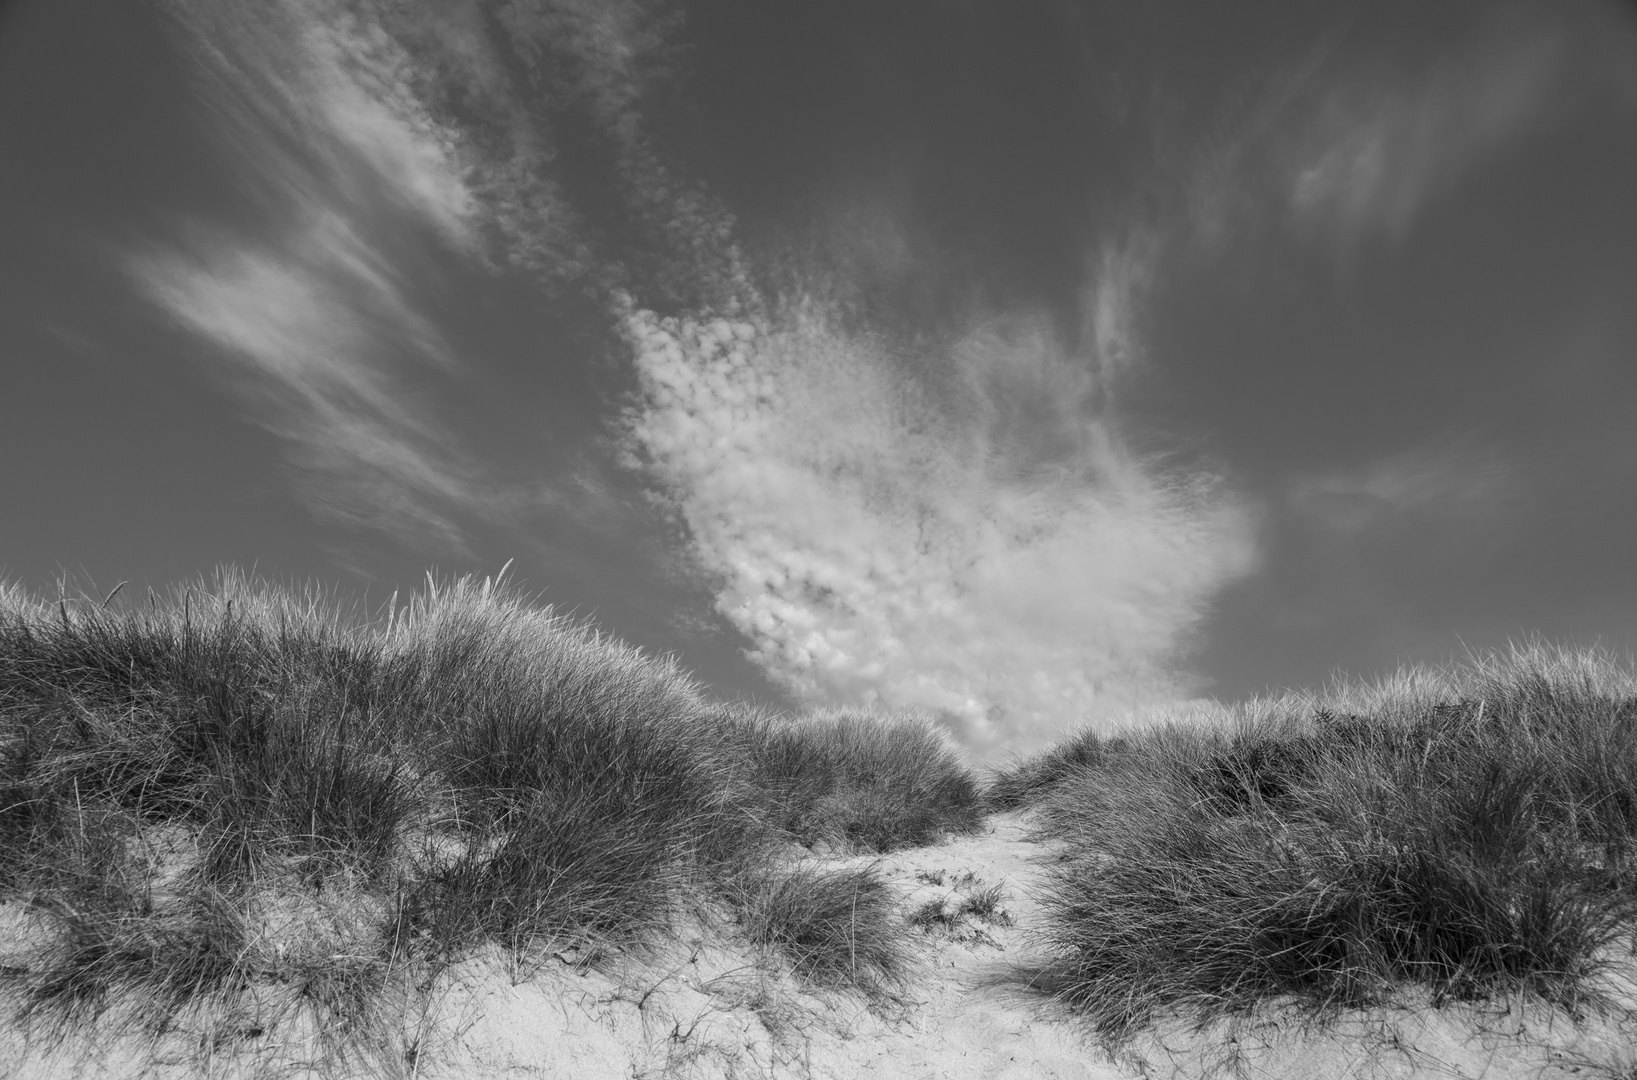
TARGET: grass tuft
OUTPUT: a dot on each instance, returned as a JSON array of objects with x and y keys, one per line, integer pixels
[
  {"x": 860, "y": 781},
  {"x": 1024, "y": 783},
  {"x": 836, "y": 926},
  {"x": 1467, "y": 831}
]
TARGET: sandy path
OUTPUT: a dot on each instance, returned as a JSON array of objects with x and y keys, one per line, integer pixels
[
  {"x": 702, "y": 1011},
  {"x": 970, "y": 1012}
]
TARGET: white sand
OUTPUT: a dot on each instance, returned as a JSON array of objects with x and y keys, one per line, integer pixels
[{"x": 698, "y": 1008}]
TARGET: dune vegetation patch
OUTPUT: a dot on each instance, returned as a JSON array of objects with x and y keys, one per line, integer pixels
[
  {"x": 858, "y": 780},
  {"x": 264, "y": 817},
  {"x": 1469, "y": 832},
  {"x": 837, "y": 926},
  {"x": 240, "y": 795}
]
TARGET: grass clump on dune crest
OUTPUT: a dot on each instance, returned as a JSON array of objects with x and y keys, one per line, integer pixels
[
  {"x": 191, "y": 786},
  {"x": 860, "y": 780},
  {"x": 1025, "y": 782},
  {"x": 1468, "y": 831}
]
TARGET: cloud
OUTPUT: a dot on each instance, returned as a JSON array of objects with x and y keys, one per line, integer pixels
[
  {"x": 961, "y": 527},
  {"x": 1379, "y": 140},
  {"x": 390, "y": 106},
  {"x": 380, "y": 140},
  {"x": 359, "y": 86},
  {"x": 339, "y": 122},
  {"x": 1457, "y": 481},
  {"x": 1347, "y": 140},
  {"x": 317, "y": 330},
  {"x": 989, "y": 550},
  {"x": 619, "y": 47}
]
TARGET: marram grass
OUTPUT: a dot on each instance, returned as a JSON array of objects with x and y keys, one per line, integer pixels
[
  {"x": 267, "y": 808},
  {"x": 1468, "y": 831},
  {"x": 223, "y": 790}
]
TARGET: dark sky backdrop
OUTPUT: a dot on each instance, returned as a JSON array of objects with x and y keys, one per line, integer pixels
[{"x": 1021, "y": 361}]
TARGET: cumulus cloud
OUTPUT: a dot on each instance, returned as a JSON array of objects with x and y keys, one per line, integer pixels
[{"x": 993, "y": 553}]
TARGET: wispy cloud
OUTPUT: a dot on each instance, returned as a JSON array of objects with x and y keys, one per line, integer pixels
[
  {"x": 337, "y": 124},
  {"x": 1349, "y": 141},
  {"x": 359, "y": 87},
  {"x": 388, "y": 106},
  {"x": 1377, "y": 147},
  {"x": 319, "y": 332},
  {"x": 1379, "y": 141},
  {"x": 1456, "y": 481}
]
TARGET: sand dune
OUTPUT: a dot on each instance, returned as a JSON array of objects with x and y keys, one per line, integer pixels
[{"x": 975, "y": 1005}]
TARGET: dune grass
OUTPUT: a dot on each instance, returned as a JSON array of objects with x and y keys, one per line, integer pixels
[
  {"x": 1023, "y": 782},
  {"x": 239, "y": 786},
  {"x": 838, "y": 927},
  {"x": 1469, "y": 832},
  {"x": 860, "y": 781},
  {"x": 259, "y": 809}
]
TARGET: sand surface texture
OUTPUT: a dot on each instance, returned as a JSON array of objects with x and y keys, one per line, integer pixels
[{"x": 972, "y": 1007}]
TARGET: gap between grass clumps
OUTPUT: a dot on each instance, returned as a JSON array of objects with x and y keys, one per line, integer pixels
[{"x": 238, "y": 787}]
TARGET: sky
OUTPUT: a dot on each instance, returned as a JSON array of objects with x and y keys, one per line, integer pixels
[{"x": 1029, "y": 364}]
